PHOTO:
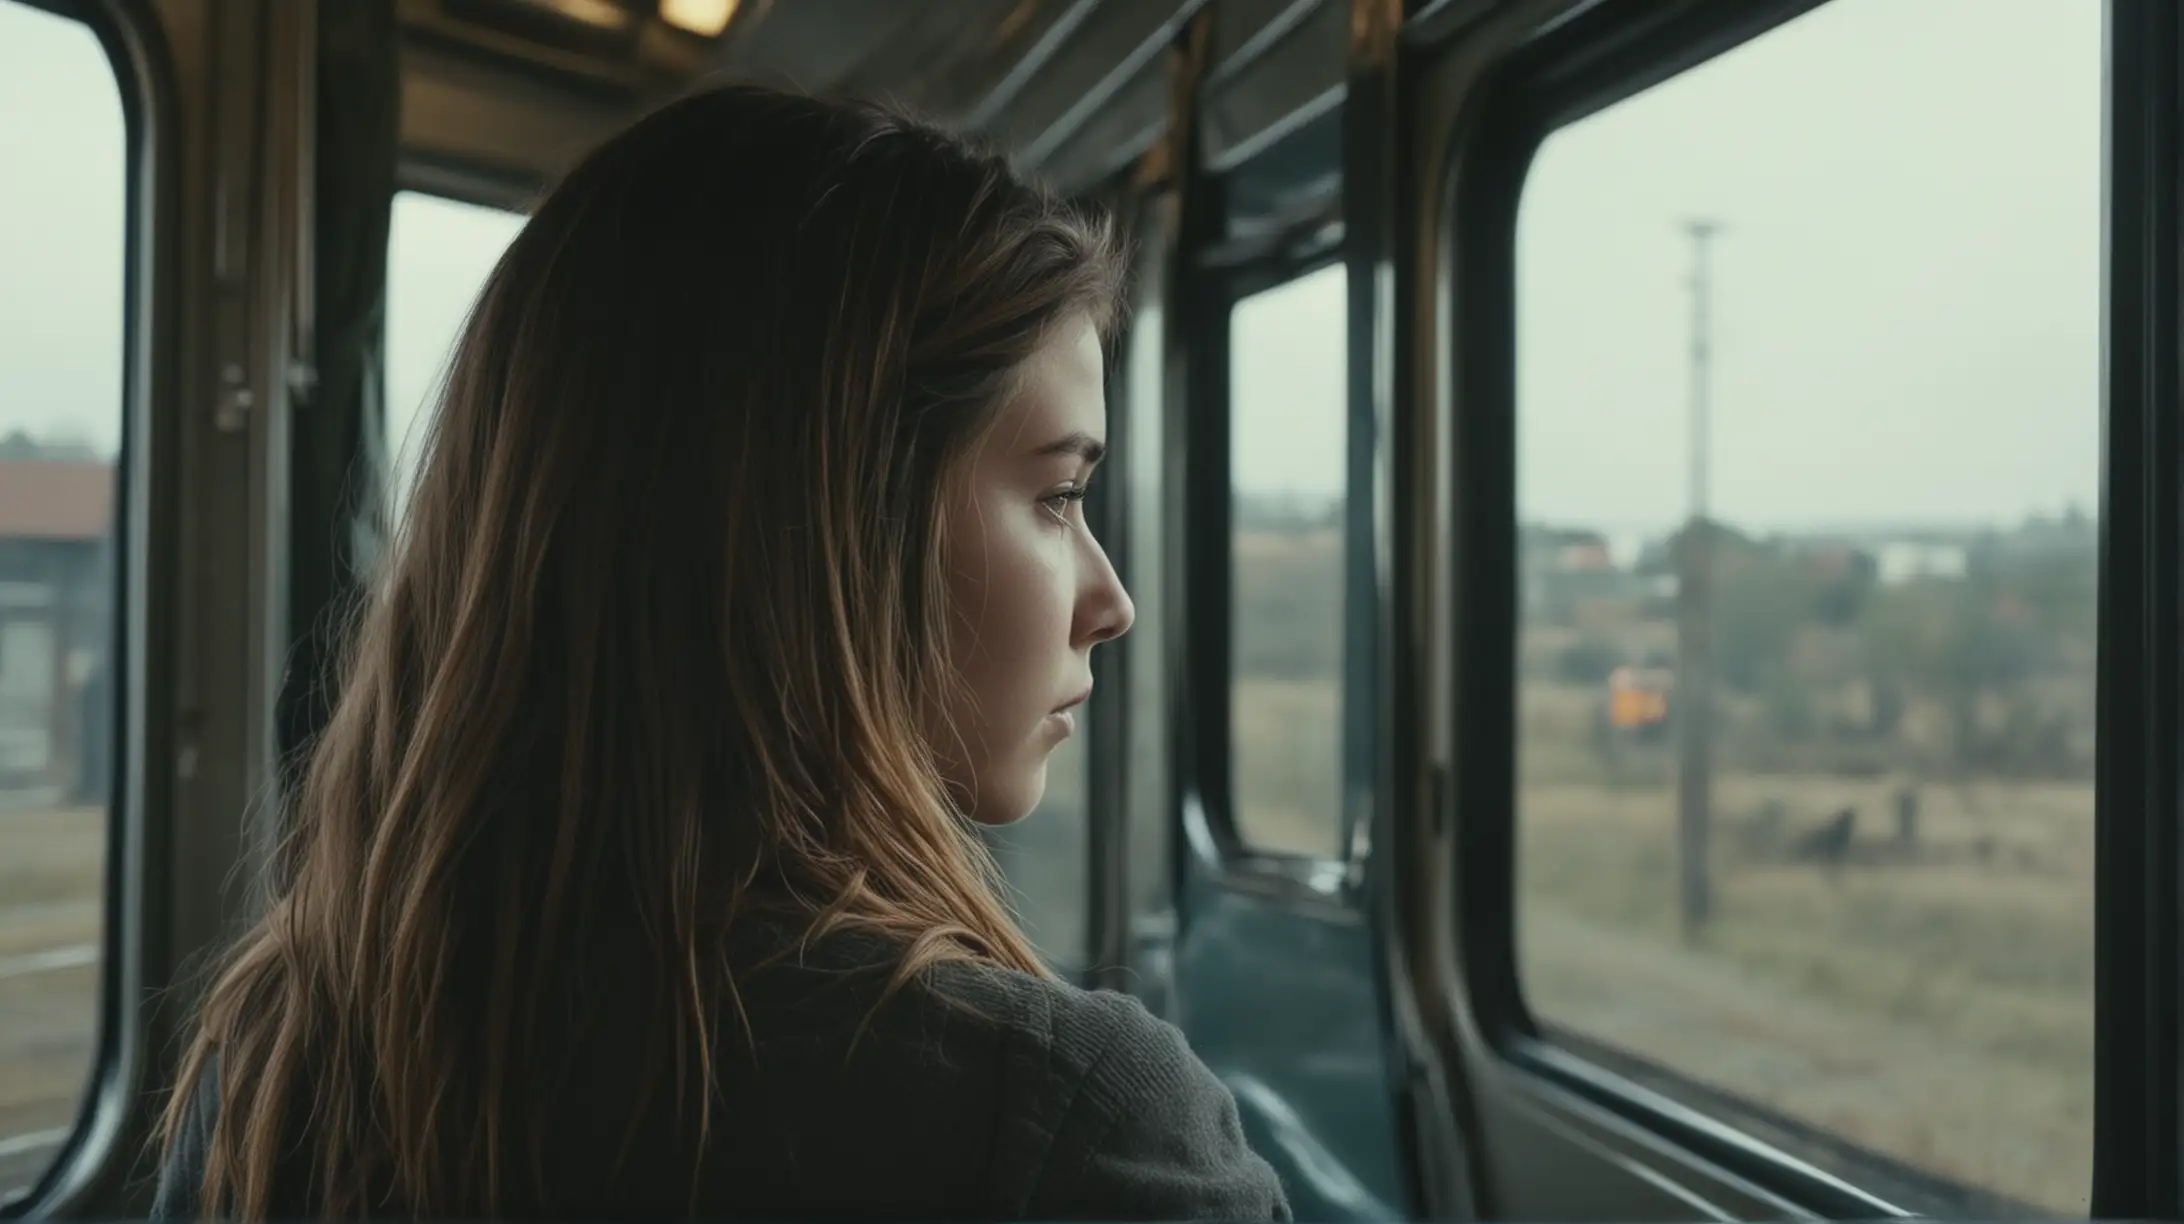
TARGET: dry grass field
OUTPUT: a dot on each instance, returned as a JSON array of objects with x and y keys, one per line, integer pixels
[
  {"x": 1932, "y": 1000},
  {"x": 51, "y": 868}
]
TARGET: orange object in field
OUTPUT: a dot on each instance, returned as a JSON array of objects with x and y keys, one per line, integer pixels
[{"x": 1638, "y": 698}]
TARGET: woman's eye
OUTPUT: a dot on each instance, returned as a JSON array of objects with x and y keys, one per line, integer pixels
[{"x": 1057, "y": 502}]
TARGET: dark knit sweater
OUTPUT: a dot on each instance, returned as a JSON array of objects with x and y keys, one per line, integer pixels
[{"x": 977, "y": 1093}]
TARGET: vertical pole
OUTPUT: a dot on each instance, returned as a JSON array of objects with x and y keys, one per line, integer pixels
[{"x": 1695, "y": 619}]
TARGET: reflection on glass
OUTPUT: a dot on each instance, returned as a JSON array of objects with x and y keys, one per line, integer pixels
[
  {"x": 61, "y": 345},
  {"x": 1287, "y": 443},
  {"x": 439, "y": 254},
  {"x": 1806, "y": 668}
]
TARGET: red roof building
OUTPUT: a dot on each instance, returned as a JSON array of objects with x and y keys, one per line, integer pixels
[{"x": 55, "y": 499}]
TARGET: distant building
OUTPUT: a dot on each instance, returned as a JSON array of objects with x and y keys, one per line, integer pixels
[
  {"x": 1561, "y": 566},
  {"x": 1902, "y": 561},
  {"x": 1830, "y": 561},
  {"x": 1585, "y": 553},
  {"x": 56, "y": 597}
]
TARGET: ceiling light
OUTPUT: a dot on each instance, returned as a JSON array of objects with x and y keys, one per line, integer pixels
[
  {"x": 705, "y": 18},
  {"x": 599, "y": 14}
]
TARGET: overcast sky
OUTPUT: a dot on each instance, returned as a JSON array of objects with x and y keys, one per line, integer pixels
[
  {"x": 61, "y": 203},
  {"x": 439, "y": 253},
  {"x": 1906, "y": 292}
]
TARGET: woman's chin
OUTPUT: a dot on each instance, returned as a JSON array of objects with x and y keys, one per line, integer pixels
[{"x": 1012, "y": 800}]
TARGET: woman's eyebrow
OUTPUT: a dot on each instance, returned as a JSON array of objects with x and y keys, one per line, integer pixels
[{"x": 1078, "y": 443}]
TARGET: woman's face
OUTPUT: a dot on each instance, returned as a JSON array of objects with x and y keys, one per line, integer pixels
[{"x": 1029, "y": 590}]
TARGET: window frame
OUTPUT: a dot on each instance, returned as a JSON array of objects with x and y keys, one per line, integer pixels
[
  {"x": 462, "y": 181},
  {"x": 2138, "y": 1137},
  {"x": 143, "y": 564},
  {"x": 1593, "y": 57},
  {"x": 1268, "y": 211},
  {"x": 1223, "y": 274}
]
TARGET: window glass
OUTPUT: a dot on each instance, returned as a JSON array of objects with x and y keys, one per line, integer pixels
[
  {"x": 64, "y": 144},
  {"x": 439, "y": 253},
  {"x": 1806, "y": 669},
  {"x": 1288, "y": 442}
]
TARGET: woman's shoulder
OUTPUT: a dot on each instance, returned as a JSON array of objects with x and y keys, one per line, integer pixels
[
  {"x": 1085, "y": 1031},
  {"x": 1101, "y": 1050},
  {"x": 1067, "y": 1033},
  {"x": 855, "y": 972},
  {"x": 1112, "y": 1114}
]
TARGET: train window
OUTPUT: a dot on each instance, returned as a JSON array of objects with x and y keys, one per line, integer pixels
[
  {"x": 439, "y": 253},
  {"x": 1288, "y": 437},
  {"x": 1808, "y": 458},
  {"x": 64, "y": 142}
]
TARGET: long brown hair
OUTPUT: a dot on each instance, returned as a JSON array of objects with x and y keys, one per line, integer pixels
[{"x": 651, "y": 649}]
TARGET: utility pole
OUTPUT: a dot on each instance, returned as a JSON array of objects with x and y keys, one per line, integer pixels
[{"x": 1695, "y": 612}]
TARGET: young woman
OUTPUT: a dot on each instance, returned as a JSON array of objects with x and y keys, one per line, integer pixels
[{"x": 633, "y": 875}]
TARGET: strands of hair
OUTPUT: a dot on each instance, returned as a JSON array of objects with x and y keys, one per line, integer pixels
[{"x": 646, "y": 660}]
